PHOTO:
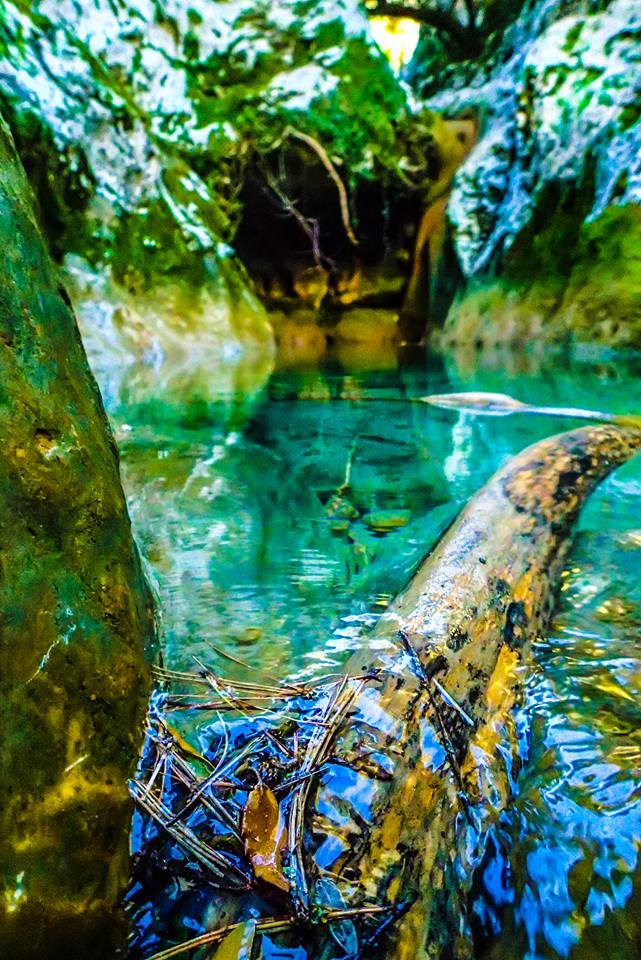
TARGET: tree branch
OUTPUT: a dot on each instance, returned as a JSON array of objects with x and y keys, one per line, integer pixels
[{"x": 322, "y": 155}]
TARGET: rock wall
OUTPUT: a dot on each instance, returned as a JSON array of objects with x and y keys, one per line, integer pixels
[
  {"x": 75, "y": 616},
  {"x": 554, "y": 180},
  {"x": 140, "y": 126}
]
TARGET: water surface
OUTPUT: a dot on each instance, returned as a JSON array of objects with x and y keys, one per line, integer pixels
[{"x": 279, "y": 529}]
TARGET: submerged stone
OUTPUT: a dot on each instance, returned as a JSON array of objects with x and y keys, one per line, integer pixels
[{"x": 384, "y": 520}]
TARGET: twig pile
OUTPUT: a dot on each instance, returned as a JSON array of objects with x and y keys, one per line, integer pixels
[{"x": 237, "y": 808}]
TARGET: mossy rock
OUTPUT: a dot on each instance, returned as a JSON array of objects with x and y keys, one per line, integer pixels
[
  {"x": 176, "y": 99},
  {"x": 501, "y": 313},
  {"x": 300, "y": 339},
  {"x": 367, "y": 326},
  {"x": 602, "y": 303},
  {"x": 75, "y": 617},
  {"x": 589, "y": 293},
  {"x": 382, "y": 521}
]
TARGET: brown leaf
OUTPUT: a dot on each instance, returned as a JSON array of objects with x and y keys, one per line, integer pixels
[
  {"x": 238, "y": 944},
  {"x": 263, "y": 830}
]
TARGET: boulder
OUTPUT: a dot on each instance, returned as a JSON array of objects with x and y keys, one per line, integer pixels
[
  {"x": 76, "y": 616},
  {"x": 144, "y": 131},
  {"x": 558, "y": 157}
]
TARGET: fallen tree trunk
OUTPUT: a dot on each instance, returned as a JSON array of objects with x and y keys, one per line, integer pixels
[
  {"x": 387, "y": 778},
  {"x": 75, "y": 614}
]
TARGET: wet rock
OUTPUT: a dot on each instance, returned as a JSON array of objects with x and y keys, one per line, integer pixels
[
  {"x": 495, "y": 315},
  {"x": 311, "y": 285},
  {"x": 75, "y": 615},
  {"x": 596, "y": 299},
  {"x": 560, "y": 97},
  {"x": 384, "y": 520},
  {"x": 299, "y": 337},
  {"x": 364, "y": 326},
  {"x": 141, "y": 129},
  {"x": 602, "y": 302},
  {"x": 359, "y": 357},
  {"x": 174, "y": 348},
  {"x": 378, "y": 286},
  {"x": 104, "y": 105},
  {"x": 560, "y": 148}
]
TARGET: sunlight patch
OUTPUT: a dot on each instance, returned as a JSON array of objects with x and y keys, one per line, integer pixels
[{"x": 397, "y": 38}]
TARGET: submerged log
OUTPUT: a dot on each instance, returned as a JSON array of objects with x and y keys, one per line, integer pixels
[
  {"x": 75, "y": 613},
  {"x": 395, "y": 771},
  {"x": 467, "y": 619}
]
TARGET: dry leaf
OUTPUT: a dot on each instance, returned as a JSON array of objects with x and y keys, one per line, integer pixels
[
  {"x": 238, "y": 944},
  {"x": 263, "y": 831}
]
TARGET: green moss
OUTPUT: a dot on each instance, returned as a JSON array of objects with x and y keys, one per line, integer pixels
[
  {"x": 583, "y": 283},
  {"x": 603, "y": 298},
  {"x": 553, "y": 78},
  {"x": 365, "y": 118},
  {"x": 358, "y": 121},
  {"x": 586, "y": 77},
  {"x": 584, "y": 102},
  {"x": 502, "y": 313},
  {"x": 572, "y": 36},
  {"x": 630, "y": 114},
  {"x": 165, "y": 238},
  {"x": 62, "y": 183},
  {"x": 547, "y": 246},
  {"x": 145, "y": 232},
  {"x": 75, "y": 614}
]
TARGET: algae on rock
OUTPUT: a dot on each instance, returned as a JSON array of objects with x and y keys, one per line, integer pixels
[
  {"x": 75, "y": 616},
  {"x": 140, "y": 126},
  {"x": 585, "y": 289},
  {"x": 560, "y": 149}
]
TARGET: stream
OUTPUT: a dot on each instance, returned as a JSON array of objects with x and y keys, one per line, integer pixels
[{"x": 279, "y": 526}]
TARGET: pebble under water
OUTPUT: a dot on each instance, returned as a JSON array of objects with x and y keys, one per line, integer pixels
[{"x": 279, "y": 527}]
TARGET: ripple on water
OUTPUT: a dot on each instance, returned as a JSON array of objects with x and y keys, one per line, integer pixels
[
  {"x": 561, "y": 875},
  {"x": 256, "y": 529}
]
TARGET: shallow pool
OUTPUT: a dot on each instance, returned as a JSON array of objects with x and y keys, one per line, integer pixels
[{"x": 278, "y": 528}]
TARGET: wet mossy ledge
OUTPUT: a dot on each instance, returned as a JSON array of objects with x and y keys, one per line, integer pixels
[
  {"x": 75, "y": 618},
  {"x": 587, "y": 291}
]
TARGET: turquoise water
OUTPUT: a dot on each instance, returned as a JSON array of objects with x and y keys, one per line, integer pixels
[{"x": 277, "y": 528}]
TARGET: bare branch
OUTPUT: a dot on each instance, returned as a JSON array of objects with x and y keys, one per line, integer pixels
[{"x": 322, "y": 155}]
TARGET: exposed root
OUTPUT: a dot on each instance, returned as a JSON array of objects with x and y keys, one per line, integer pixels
[{"x": 323, "y": 156}]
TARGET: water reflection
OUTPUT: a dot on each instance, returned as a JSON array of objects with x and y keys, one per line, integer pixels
[
  {"x": 263, "y": 538},
  {"x": 277, "y": 532},
  {"x": 561, "y": 875}
]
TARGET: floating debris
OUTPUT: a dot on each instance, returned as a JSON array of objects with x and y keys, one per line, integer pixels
[{"x": 263, "y": 830}]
